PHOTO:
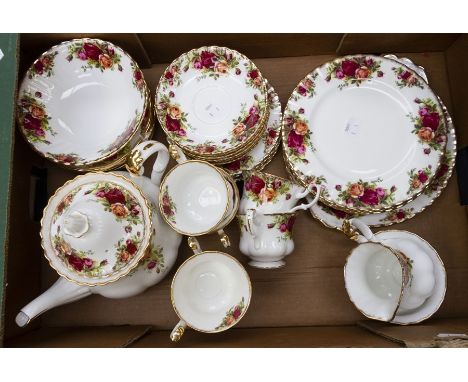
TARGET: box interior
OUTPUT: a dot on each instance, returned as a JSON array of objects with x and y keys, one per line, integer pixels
[{"x": 303, "y": 304}]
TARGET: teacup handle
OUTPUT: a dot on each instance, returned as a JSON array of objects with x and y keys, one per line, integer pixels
[
  {"x": 178, "y": 331},
  {"x": 364, "y": 229},
  {"x": 313, "y": 202},
  {"x": 177, "y": 153},
  {"x": 251, "y": 215},
  {"x": 224, "y": 238},
  {"x": 141, "y": 153},
  {"x": 194, "y": 245}
]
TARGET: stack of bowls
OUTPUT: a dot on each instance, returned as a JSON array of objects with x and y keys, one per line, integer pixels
[{"x": 84, "y": 104}]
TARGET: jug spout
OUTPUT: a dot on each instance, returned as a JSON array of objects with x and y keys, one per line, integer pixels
[{"x": 62, "y": 292}]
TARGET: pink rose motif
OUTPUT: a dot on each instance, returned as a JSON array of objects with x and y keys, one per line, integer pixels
[
  {"x": 277, "y": 184},
  {"x": 272, "y": 133},
  {"x": 338, "y": 213},
  {"x": 301, "y": 149},
  {"x": 442, "y": 170},
  {"x": 369, "y": 197},
  {"x": 110, "y": 51},
  {"x": 339, "y": 74},
  {"x": 380, "y": 192},
  {"x": 400, "y": 215},
  {"x": 92, "y": 51},
  {"x": 349, "y": 67},
  {"x": 39, "y": 132},
  {"x": 76, "y": 262},
  {"x": 253, "y": 110},
  {"x": 405, "y": 75},
  {"x": 422, "y": 176},
  {"x": 39, "y": 67},
  {"x": 379, "y": 73},
  {"x": 283, "y": 228},
  {"x": 82, "y": 56},
  {"x": 137, "y": 75},
  {"x": 238, "y": 71},
  {"x": 181, "y": 133},
  {"x": 88, "y": 263},
  {"x": 431, "y": 120},
  {"x": 362, "y": 72},
  {"x": 168, "y": 75},
  {"x": 255, "y": 184},
  {"x": 302, "y": 90},
  {"x": 251, "y": 120},
  {"x": 423, "y": 111},
  {"x": 172, "y": 124},
  {"x": 151, "y": 264},
  {"x": 134, "y": 210},
  {"x": 295, "y": 140},
  {"x": 197, "y": 64},
  {"x": 31, "y": 123},
  {"x": 131, "y": 247},
  {"x": 114, "y": 195},
  {"x": 369, "y": 61},
  {"x": 253, "y": 74},
  {"x": 290, "y": 223},
  {"x": 206, "y": 59}
]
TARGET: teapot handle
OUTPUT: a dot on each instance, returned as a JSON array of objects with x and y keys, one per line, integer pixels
[{"x": 141, "y": 153}]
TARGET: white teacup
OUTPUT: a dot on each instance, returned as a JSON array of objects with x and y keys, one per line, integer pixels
[
  {"x": 197, "y": 198},
  {"x": 271, "y": 194},
  {"x": 210, "y": 292},
  {"x": 266, "y": 238},
  {"x": 397, "y": 278}
]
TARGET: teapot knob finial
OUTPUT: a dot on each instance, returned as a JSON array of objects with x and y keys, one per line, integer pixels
[{"x": 76, "y": 224}]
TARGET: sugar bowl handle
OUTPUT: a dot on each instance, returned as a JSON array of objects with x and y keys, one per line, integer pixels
[
  {"x": 141, "y": 153},
  {"x": 178, "y": 331}
]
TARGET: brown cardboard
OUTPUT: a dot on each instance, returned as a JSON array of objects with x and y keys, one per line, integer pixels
[
  {"x": 301, "y": 337},
  {"x": 425, "y": 334},
  {"x": 309, "y": 291}
]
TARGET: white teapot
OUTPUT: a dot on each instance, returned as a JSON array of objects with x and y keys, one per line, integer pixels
[{"x": 150, "y": 270}]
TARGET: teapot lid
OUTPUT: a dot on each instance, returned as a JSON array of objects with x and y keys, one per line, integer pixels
[{"x": 96, "y": 228}]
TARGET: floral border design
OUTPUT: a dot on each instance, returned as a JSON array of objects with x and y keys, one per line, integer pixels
[
  {"x": 65, "y": 203},
  {"x": 417, "y": 179},
  {"x": 44, "y": 65},
  {"x": 118, "y": 201},
  {"x": 154, "y": 260},
  {"x": 335, "y": 212},
  {"x": 398, "y": 216},
  {"x": 265, "y": 189},
  {"x": 306, "y": 88},
  {"x": 34, "y": 120},
  {"x": 138, "y": 80},
  {"x": 212, "y": 63},
  {"x": 406, "y": 78},
  {"x": 428, "y": 125},
  {"x": 243, "y": 124},
  {"x": 232, "y": 315},
  {"x": 284, "y": 224},
  {"x": 440, "y": 175},
  {"x": 353, "y": 70},
  {"x": 299, "y": 136},
  {"x": 168, "y": 206},
  {"x": 254, "y": 78},
  {"x": 363, "y": 194},
  {"x": 79, "y": 261},
  {"x": 67, "y": 159},
  {"x": 95, "y": 54},
  {"x": 175, "y": 119}
]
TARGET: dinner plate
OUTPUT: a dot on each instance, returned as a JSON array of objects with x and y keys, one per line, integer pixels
[
  {"x": 211, "y": 102},
  {"x": 367, "y": 128},
  {"x": 81, "y": 101},
  {"x": 263, "y": 152}
]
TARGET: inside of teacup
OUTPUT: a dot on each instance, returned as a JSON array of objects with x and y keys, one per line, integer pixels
[
  {"x": 211, "y": 291},
  {"x": 90, "y": 109},
  {"x": 374, "y": 279},
  {"x": 198, "y": 197}
]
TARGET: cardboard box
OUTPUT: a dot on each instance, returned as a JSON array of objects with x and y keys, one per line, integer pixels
[{"x": 302, "y": 305}]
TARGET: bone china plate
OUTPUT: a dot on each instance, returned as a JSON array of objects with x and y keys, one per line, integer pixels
[
  {"x": 367, "y": 128},
  {"x": 81, "y": 101},
  {"x": 212, "y": 101}
]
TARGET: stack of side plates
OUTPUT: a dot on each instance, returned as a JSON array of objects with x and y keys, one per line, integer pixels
[
  {"x": 214, "y": 104},
  {"x": 372, "y": 132},
  {"x": 84, "y": 104}
]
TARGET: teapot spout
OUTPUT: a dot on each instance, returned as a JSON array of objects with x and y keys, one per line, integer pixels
[{"x": 62, "y": 292}]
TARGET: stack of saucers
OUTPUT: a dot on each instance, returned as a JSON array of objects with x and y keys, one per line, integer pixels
[
  {"x": 84, "y": 104},
  {"x": 214, "y": 104},
  {"x": 371, "y": 131}
]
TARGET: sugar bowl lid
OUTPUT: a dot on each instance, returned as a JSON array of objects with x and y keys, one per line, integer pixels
[{"x": 96, "y": 228}]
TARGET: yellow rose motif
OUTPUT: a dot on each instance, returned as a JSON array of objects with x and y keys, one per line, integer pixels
[
  {"x": 416, "y": 183},
  {"x": 119, "y": 210},
  {"x": 239, "y": 130},
  {"x": 221, "y": 67},
  {"x": 426, "y": 134},
  {"x": 37, "y": 112},
  {"x": 174, "y": 112},
  {"x": 356, "y": 190},
  {"x": 301, "y": 128},
  {"x": 105, "y": 61}
]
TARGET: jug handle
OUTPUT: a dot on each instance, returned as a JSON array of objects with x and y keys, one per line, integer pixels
[
  {"x": 313, "y": 202},
  {"x": 251, "y": 223},
  {"x": 60, "y": 293},
  {"x": 141, "y": 153}
]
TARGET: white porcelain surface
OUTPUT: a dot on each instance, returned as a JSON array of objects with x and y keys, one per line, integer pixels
[
  {"x": 211, "y": 291},
  {"x": 81, "y": 101},
  {"x": 339, "y": 133}
]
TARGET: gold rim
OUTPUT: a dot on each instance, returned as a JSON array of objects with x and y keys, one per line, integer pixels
[
  {"x": 236, "y": 204},
  {"x": 163, "y": 182},
  {"x": 359, "y": 211},
  {"x": 62, "y": 164},
  {"x": 145, "y": 248},
  {"x": 245, "y": 308},
  {"x": 263, "y": 91}
]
